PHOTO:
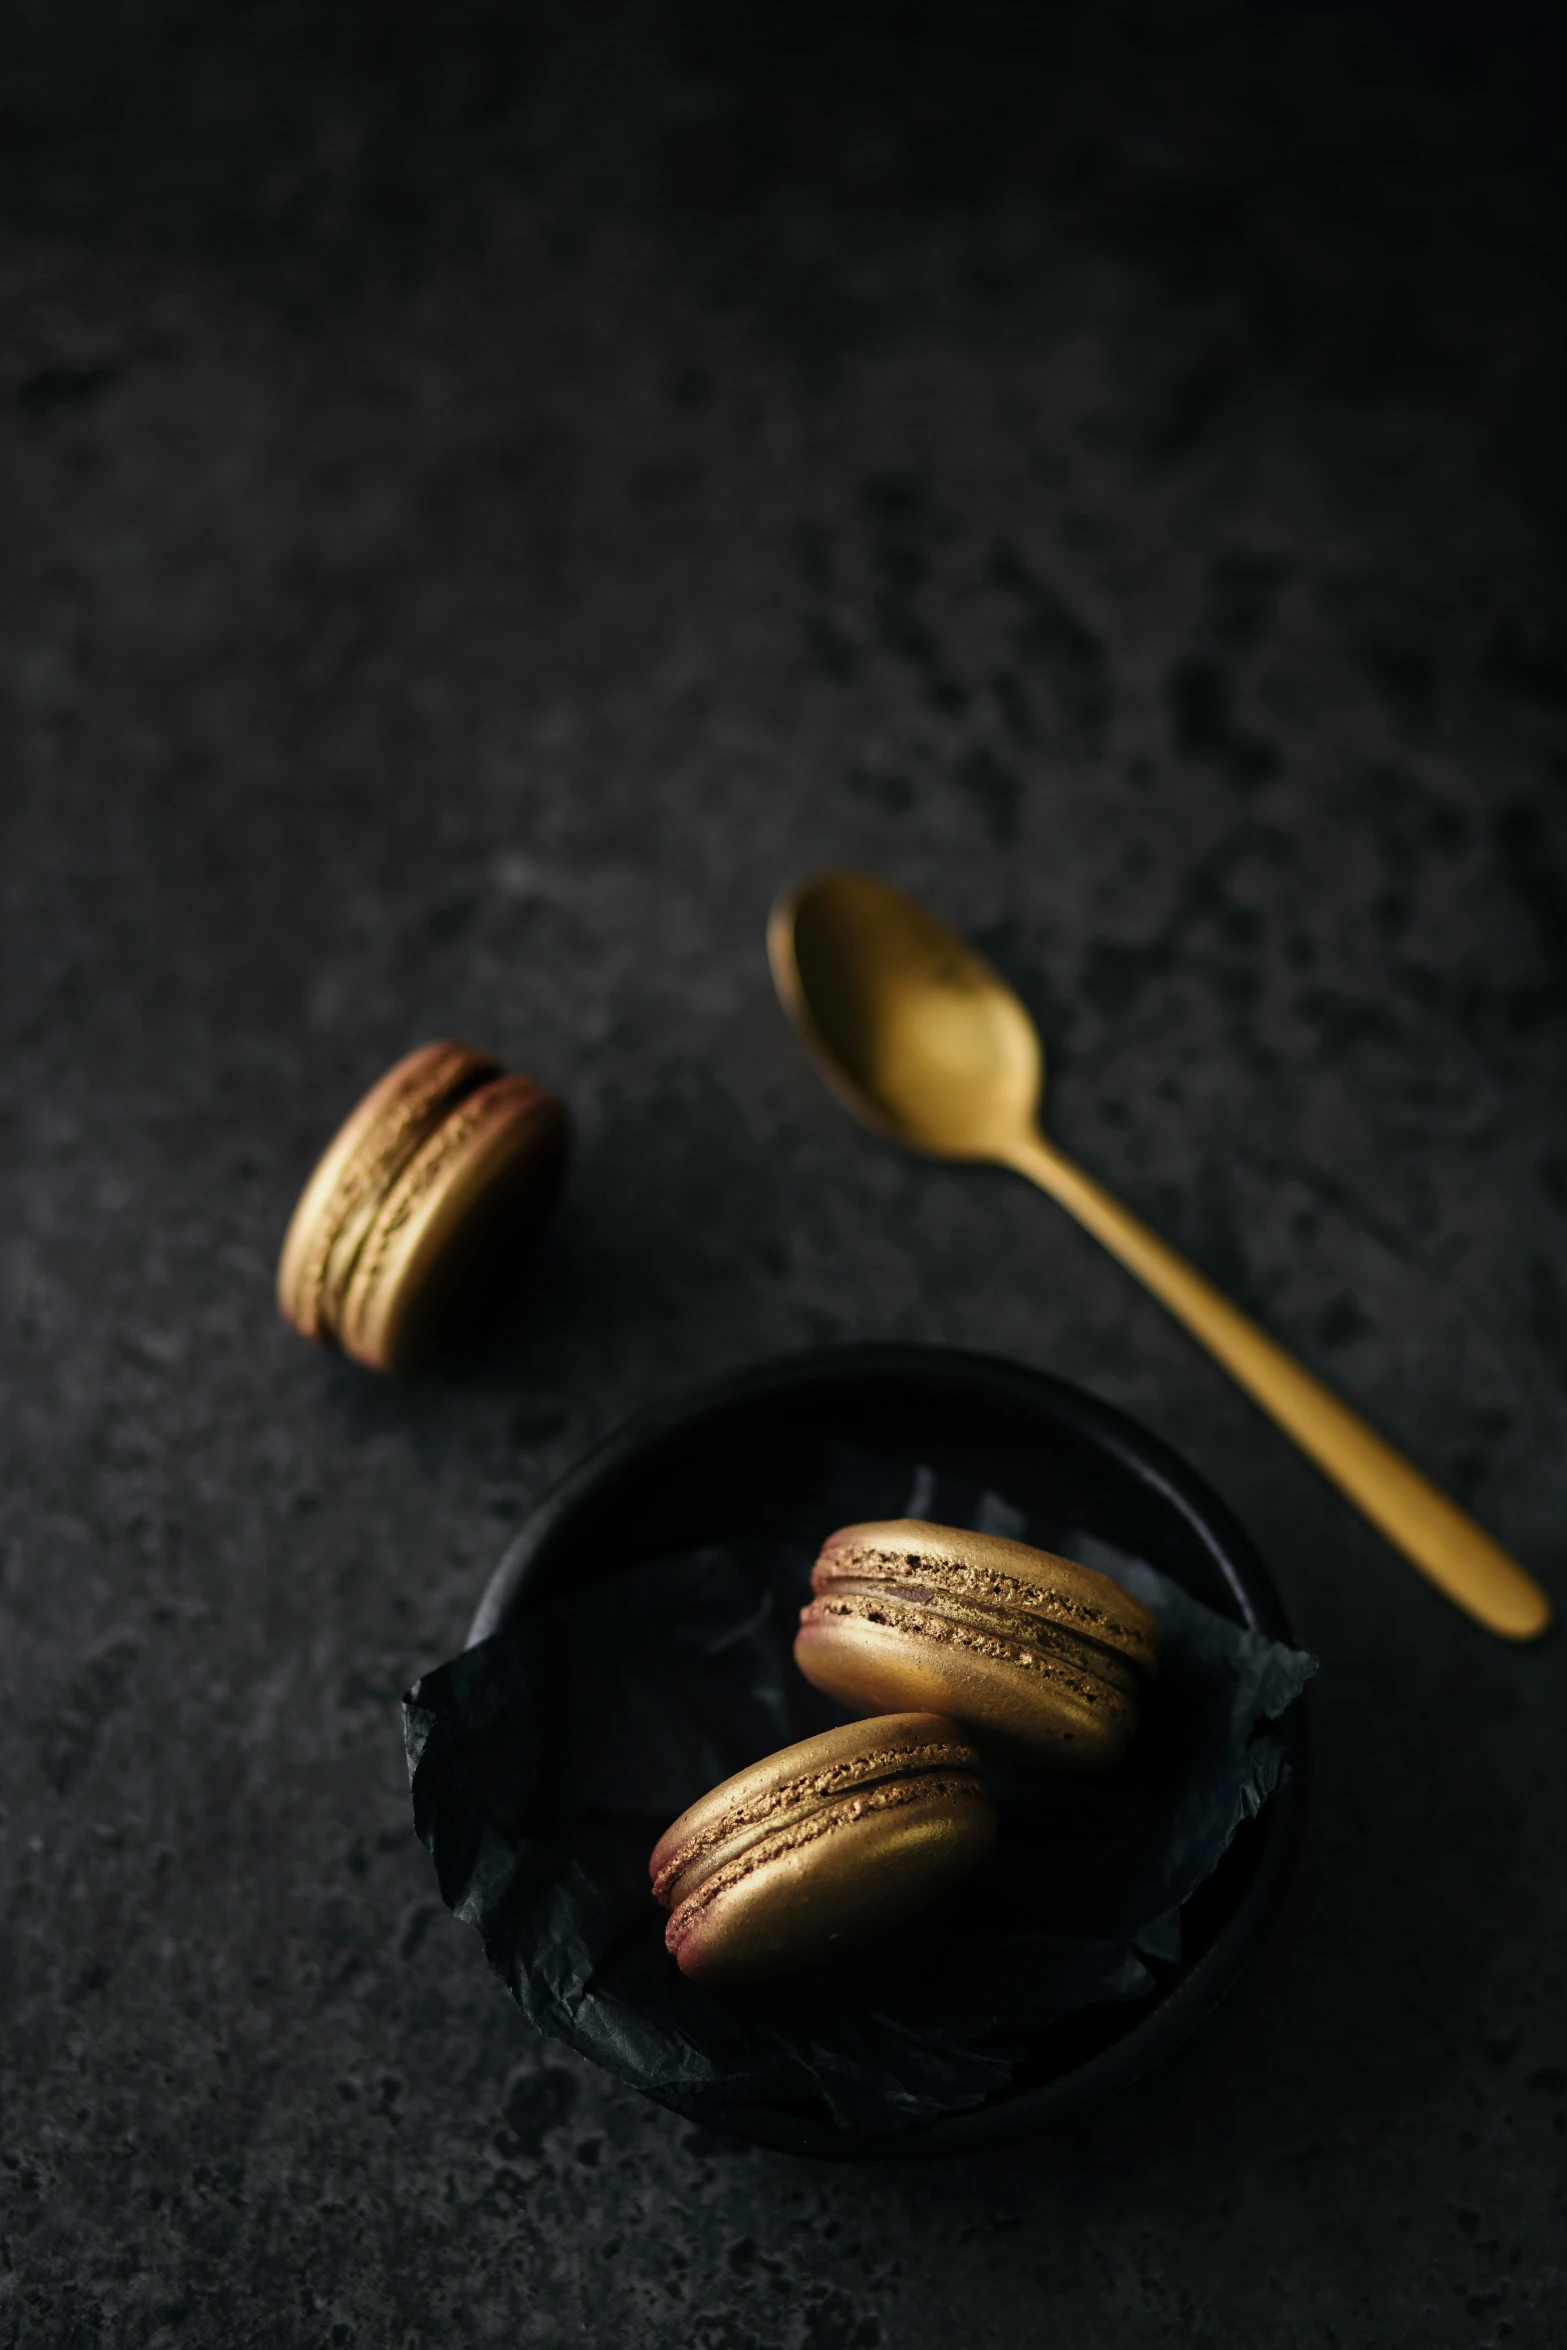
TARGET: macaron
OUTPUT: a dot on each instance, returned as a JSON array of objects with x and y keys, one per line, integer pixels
[
  {"x": 423, "y": 1207},
  {"x": 1032, "y": 1654},
  {"x": 821, "y": 1846}
]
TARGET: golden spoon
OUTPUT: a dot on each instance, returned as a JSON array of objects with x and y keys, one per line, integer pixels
[{"x": 918, "y": 1036}]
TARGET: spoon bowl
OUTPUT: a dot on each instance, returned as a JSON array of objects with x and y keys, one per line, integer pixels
[{"x": 909, "y": 1025}]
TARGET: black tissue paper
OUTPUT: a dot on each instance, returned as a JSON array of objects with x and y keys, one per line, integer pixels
[{"x": 547, "y": 1761}]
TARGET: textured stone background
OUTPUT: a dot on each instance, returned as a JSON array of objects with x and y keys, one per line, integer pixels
[{"x": 485, "y": 503}]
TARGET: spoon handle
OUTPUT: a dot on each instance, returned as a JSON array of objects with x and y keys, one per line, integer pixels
[{"x": 1432, "y": 1532}]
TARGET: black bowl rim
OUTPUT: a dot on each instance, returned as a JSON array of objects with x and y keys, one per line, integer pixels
[{"x": 1157, "y": 2031}]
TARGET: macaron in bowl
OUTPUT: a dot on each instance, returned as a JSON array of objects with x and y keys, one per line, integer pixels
[
  {"x": 1033, "y": 1654},
  {"x": 821, "y": 1846}
]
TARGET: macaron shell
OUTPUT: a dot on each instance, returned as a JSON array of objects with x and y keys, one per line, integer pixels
[
  {"x": 456, "y": 1225},
  {"x": 1006, "y": 1692},
  {"x": 846, "y": 1873},
  {"x": 377, "y": 1138}
]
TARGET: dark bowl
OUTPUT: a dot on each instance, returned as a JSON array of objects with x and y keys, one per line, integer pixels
[{"x": 716, "y": 1464}]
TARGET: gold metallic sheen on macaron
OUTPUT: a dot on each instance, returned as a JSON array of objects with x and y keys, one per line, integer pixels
[
  {"x": 423, "y": 1207},
  {"x": 821, "y": 1846},
  {"x": 1036, "y": 1655}
]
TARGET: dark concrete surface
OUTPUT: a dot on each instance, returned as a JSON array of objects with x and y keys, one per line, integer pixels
[{"x": 1114, "y": 489}]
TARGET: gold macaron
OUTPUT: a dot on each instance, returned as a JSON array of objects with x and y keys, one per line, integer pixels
[
  {"x": 821, "y": 1846},
  {"x": 1038, "y": 1656},
  {"x": 423, "y": 1208}
]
